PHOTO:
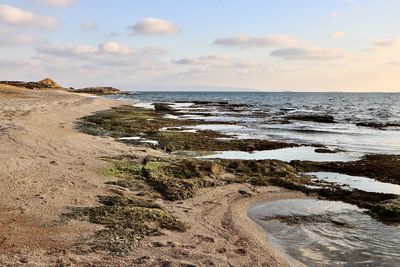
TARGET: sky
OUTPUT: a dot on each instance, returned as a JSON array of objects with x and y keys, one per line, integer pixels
[{"x": 268, "y": 45}]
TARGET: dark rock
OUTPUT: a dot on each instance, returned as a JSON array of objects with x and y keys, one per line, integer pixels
[
  {"x": 377, "y": 125},
  {"x": 162, "y": 107},
  {"x": 325, "y": 150},
  {"x": 385, "y": 168},
  {"x": 24, "y": 259},
  {"x": 244, "y": 193},
  {"x": 312, "y": 117}
]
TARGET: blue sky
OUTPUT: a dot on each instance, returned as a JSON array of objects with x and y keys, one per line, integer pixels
[{"x": 305, "y": 45}]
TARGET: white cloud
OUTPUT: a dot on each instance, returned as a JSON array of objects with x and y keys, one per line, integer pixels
[
  {"x": 204, "y": 60},
  {"x": 22, "y": 18},
  {"x": 245, "y": 41},
  {"x": 385, "y": 43},
  {"x": 310, "y": 53},
  {"x": 67, "y": 51},
  {"x": 12, "y": 38},
  {"x": 89, "y": 26},
  {"x": 58, "y": 3},
  {"x": 152, "y": 26},
  {"x": 337, "y": 35},
  {"x": 153, "y": 50},
  {"x": 222, "y": 60},
  {"x": 115, "y": 48},
  {"x": 85, "y": 51},
  {"x": 19, "y": 63}
]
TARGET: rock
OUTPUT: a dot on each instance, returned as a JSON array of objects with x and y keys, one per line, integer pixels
[
  {"x": 46, "y": 83},
  {"x": 98, "y": 90},
  {"x": 312, "y": 117},
  {"x": 377, "y": 125},
  {"x": 24, "y": 259},
  {"x": 325, "y": 150},
  {"x": 49, "y": 83},
  {"x": 162, "y": 107},
  {"x": 244, "y": 193},
  {"x": 157, "y": 244},
  {"x": 166, "y": 264},
  {"x": 142, "y": 260}
]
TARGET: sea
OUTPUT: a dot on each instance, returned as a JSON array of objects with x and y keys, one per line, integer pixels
[
  {"x": 324, "y": 233},
  {"x": 262, "y": 111}
]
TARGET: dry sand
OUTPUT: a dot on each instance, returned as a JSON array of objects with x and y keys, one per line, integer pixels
[{"x": 47, "y": 166}]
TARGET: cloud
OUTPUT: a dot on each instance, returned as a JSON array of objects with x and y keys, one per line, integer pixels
[
  {"x": 152, "y": 26},
  {"x": 12, "y": 38},
  {"x": 22, "y": 18},
  {"x": 335, "y": 14},
  {"x": 89, "y": 26},
  {"x": 221, "y": 60},
  {"x": 67, "y": 51},
  {"x": 86, "y": 51},
  {"x": 19, "y": 63},
  {"x": 310, "y": 53},
  {"x": 204, "y": 60},
  {"x": 115, "y": 49},
  {"x": 337, "y": 35},
  {"x": 385, "y": 43},
  {"x": 58, "y": 3},
  {"x": 245, "y": 41},
  {"x": 153, "y": 50}
]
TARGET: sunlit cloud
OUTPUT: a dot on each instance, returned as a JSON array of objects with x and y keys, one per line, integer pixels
[
  {"x": 311, "y": 53},
  {"x": 153, "y": 26},
  {"x": 14, "y": 16},
  {"x": 13, "y": 38},
  {"x": 385, "y": 43},
  {"x": 57, "y": 3},
  {"x": 245, "y": 41}
]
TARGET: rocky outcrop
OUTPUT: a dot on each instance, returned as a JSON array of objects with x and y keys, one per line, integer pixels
[
  {"x": 49, "y": 83},
  {"x": 43, "y": 84},
  {"x": 98, "y": 90}
]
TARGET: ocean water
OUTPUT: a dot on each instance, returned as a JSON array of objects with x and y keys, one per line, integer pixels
[
  {"x": 260, "y": 119},
  {"x": 327, "y": 233}
]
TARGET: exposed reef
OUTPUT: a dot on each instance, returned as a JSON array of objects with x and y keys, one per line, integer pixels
[
  {"x": 128, "y": 121},
  {"x": 131, "y": 216},
  {"x": 385, "y": 168}
]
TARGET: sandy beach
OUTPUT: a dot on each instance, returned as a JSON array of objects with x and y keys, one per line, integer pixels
[{"x": 48, "y": 166}]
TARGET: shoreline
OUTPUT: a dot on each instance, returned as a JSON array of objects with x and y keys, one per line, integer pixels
[{"x": 50, "y": 166}]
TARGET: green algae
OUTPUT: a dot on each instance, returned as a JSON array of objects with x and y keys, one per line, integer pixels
[
  {"x": 128, "y": 121},
  {"x": 126, "y": 221}
]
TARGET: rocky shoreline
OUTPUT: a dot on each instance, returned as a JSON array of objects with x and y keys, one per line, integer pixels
[
  {"x": 178, "y": 175},
  {"x": 181, "y": 209}
]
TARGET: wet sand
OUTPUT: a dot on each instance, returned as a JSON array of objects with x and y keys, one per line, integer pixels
[{"x": 48, "y": 166}]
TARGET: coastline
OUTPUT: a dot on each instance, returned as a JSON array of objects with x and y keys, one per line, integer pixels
[{"x": 50, "y": 166}]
